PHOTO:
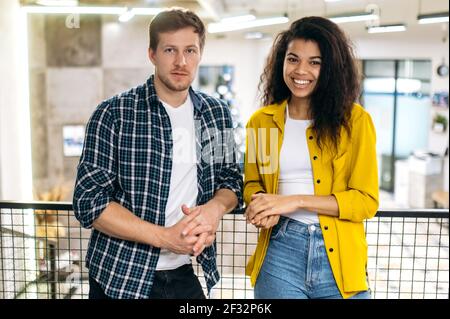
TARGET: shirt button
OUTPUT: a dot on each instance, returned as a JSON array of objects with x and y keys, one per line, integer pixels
[
  {"x": 331, "y": 250},
  {"x": 312, "y": 228},
  {"x": 326, "y": 227},
  {"x": 310, "y": 137},
  {"x": 318, "y": 181},
  {"x": 315, "y": 157}
]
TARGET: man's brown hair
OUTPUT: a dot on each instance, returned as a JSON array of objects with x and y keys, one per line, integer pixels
[{"x": 174, "y": 19}]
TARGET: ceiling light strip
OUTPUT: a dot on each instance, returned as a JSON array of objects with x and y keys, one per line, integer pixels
[
  {"x": 440, "y": 17},
  {"x": 226, "y": 27},
  {"x": 74, "y": 10},
  {"x": 354, "y": 17},
  {"x": 387, "y": 28}
]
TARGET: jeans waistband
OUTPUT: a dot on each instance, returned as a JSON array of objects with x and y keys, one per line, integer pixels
[{"x": 292, "y": 224}]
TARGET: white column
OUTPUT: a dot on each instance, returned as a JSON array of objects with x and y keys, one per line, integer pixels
[{"x": 15, "y": 139}]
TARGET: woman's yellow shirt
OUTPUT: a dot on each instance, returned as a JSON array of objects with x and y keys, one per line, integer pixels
[{"x": 350, "y": 174}]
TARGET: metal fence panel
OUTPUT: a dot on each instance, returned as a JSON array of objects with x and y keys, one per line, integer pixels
[{"x": 42, "y": 251}]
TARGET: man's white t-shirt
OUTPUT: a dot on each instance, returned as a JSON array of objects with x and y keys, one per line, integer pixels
[{"x": 183, "y": 180}]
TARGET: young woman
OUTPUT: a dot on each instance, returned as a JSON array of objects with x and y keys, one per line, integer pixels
[{"x": 310, "y": 171}]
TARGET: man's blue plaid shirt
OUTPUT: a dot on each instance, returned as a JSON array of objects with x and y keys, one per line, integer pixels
[{"x": 127, "y": 158}]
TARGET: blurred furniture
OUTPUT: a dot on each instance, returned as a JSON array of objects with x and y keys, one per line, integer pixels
[
  {"x": 440, "y": 199},
  {"x": 425, "y": 178}
]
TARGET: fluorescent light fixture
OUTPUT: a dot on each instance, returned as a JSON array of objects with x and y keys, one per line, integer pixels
[
  {"x": 238, "y": 19},
  {"x": 128, "y": 15},
  {"x": 56, "y": 3},
  {"x": 225, "y": 27},
  {"x": 433, "y": 18},
  {"x": 354, "y": 17},
  {"x": 387, "y": 28},
  {"x": 75, "y": 10},
  {"x": 332, "y": 0}
]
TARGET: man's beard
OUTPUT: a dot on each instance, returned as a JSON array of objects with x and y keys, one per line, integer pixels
[{"x": 180, "y": 87}]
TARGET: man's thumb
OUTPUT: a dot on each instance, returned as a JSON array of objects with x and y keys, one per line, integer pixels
[{"x": 185, "y": 210}]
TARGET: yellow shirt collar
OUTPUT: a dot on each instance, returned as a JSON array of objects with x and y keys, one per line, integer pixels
[{"x": 278, "y": 111}]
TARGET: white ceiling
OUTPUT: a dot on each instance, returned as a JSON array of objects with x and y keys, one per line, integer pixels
[{"x": 391, "y": 12}]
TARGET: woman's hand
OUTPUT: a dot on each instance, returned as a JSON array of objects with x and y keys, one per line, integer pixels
[
  {"x": 268, "y": 222},
  {"x": 264, "y": 205}
]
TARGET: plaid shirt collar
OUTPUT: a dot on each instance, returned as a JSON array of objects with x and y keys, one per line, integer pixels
[{"x": 153, "y": 98}]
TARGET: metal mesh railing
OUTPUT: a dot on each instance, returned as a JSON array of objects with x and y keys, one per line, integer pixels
[
  {"x": 42, "y": 251},
  {"x": 408, "y": 254}
]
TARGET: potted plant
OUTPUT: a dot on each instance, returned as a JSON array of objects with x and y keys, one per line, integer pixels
[{"x": 440, "y": 123}]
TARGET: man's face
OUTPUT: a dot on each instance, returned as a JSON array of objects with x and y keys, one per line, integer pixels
[{"x": 176, "y": 58}]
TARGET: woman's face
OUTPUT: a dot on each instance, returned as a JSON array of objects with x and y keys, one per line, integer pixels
[{"x": 301, "y": 68}]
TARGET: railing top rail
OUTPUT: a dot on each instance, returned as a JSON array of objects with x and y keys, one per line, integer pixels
[
  {"x": 36, "y": 205},
  {"x": 414, "y": 213},
  {"x": 406, "y": 212}
]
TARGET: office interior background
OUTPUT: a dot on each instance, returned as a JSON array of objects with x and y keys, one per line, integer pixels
[{"x": 60, "y": 58}]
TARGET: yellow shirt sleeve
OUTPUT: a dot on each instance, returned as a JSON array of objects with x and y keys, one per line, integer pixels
[
  {"x": 252, "y": 181},
  {"x": 360, "y": 201}
]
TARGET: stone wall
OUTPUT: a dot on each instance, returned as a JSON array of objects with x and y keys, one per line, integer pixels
[{"x": 73, "y": 67}]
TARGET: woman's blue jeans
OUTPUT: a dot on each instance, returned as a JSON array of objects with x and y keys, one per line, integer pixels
[{"x": 296, "y": 265}]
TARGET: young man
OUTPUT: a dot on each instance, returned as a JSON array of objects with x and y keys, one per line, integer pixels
[{"x": 157, "y": 174}]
